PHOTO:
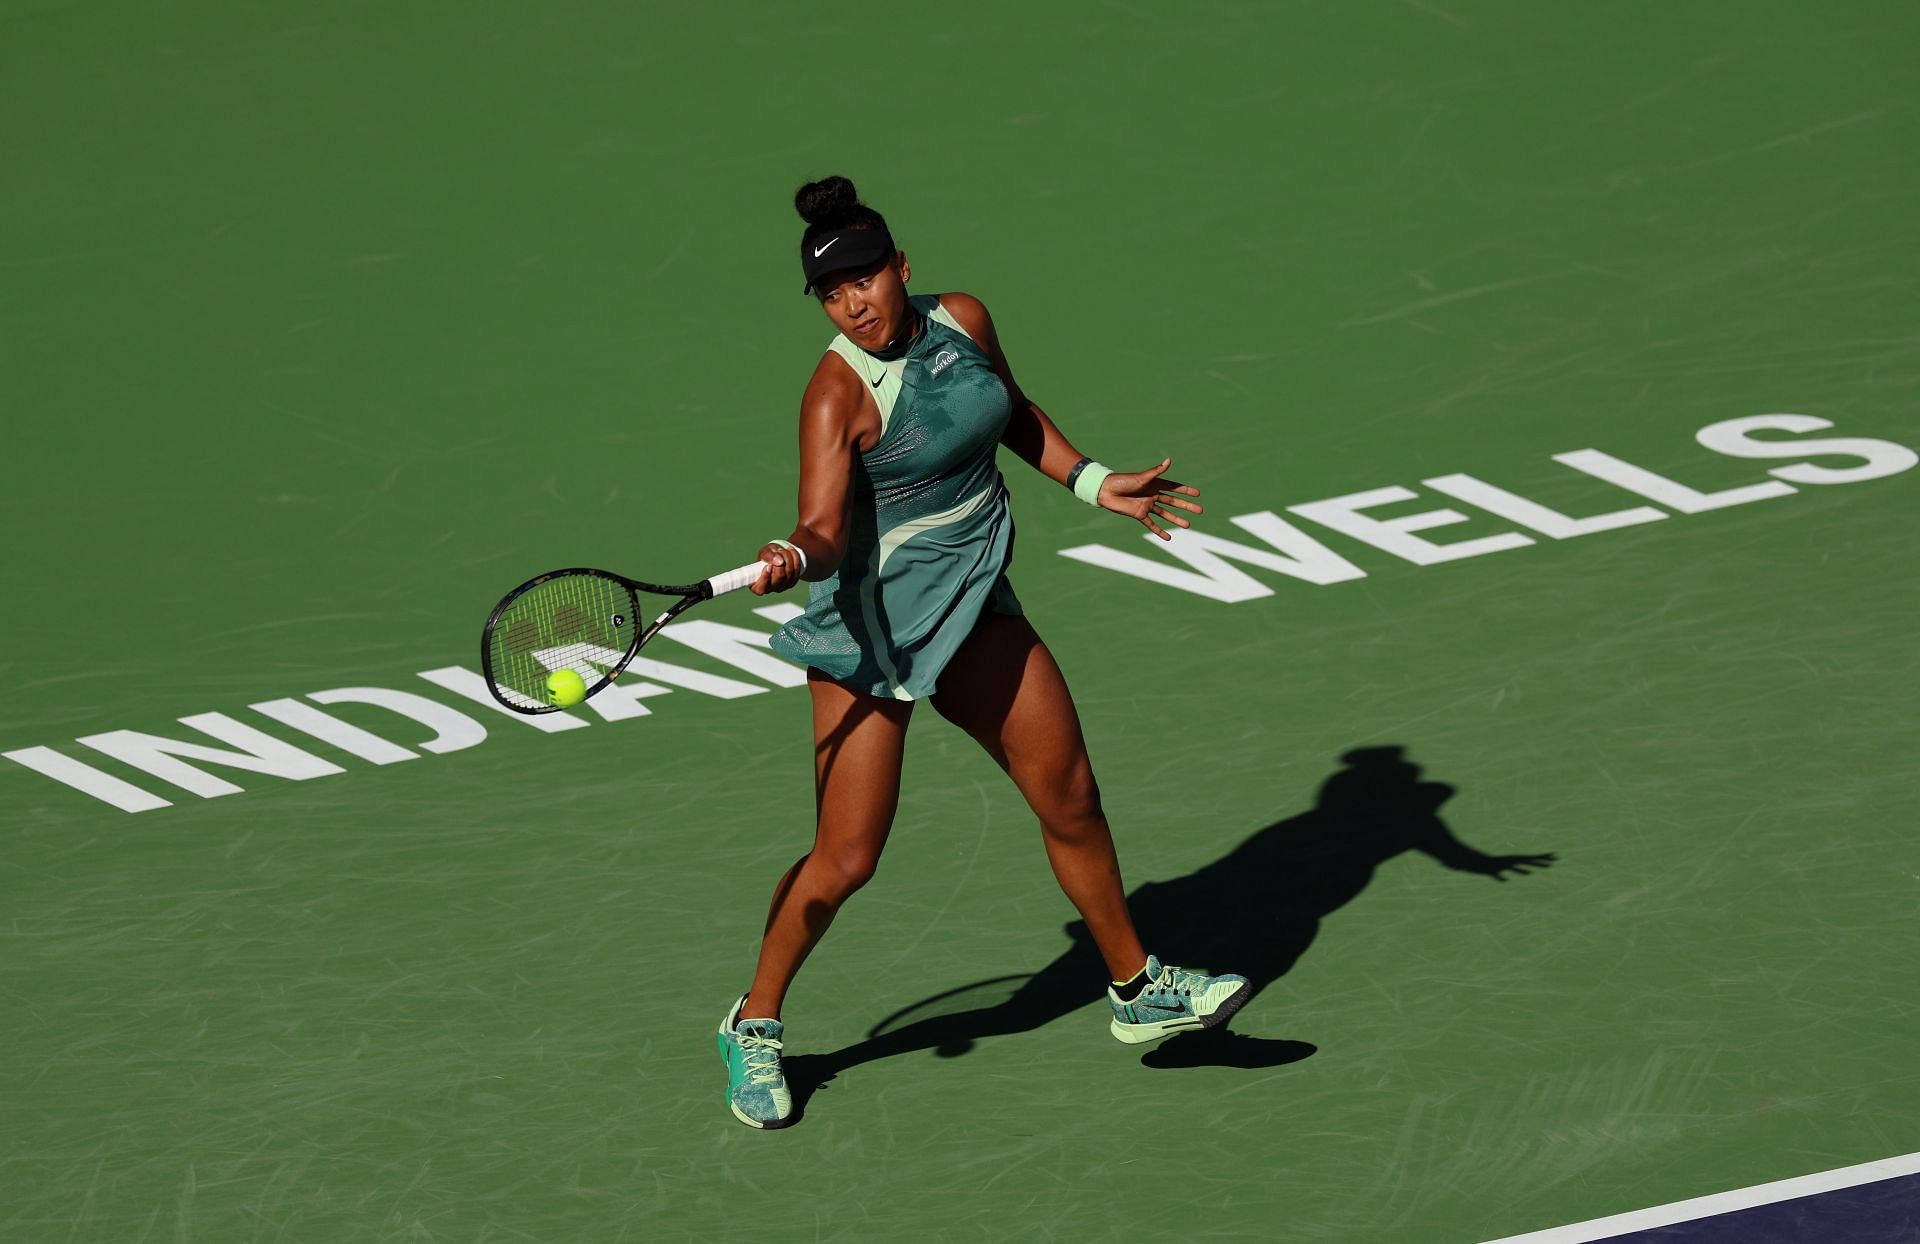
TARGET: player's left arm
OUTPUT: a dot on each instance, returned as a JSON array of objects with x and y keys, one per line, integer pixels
[{"x": 1147, "y": 496}]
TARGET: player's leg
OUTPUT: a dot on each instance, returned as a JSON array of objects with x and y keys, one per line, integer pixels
[
  {"x": 857, "y": 744},
  {"x": 1004, "y": 688}
]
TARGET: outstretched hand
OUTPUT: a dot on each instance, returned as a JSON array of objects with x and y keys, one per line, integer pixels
[{"x": 1149, "y": 496}]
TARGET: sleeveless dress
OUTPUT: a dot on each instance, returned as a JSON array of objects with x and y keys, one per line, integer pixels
[{"x": 930, "y": 536}]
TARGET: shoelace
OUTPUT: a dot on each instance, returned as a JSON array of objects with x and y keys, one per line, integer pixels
[
  {"x": 760, "y": 1057},
  {"x": 1180, "y": 980}
]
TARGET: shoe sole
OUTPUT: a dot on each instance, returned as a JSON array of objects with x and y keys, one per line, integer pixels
[
  {"x": 774, "y": 1126},
  {"x": 1140, "y": 1034}
]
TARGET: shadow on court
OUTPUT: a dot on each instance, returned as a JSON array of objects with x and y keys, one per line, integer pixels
[{"x": 1254, "y": 911}]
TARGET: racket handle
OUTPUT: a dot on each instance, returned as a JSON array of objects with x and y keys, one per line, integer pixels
[{"x": 734, "y": 580}]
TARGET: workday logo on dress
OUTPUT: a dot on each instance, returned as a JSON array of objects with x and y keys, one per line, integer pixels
[{"x": 944, "y": 360}]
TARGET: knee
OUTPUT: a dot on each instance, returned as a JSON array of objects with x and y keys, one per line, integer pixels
[
  {"x": 1073, "y": 803},
  {"x": 844, "y": 871}
]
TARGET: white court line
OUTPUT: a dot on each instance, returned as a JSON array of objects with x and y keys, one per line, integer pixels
[{"x": 1720, "y": 1203}]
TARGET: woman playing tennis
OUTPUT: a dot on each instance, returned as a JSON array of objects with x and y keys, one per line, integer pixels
[{"x": 905, "y": 533}]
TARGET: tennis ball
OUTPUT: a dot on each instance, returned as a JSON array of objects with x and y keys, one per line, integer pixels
[{"x": 565, "y": 688}]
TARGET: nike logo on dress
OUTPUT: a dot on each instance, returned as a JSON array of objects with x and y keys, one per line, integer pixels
[{"x": 821, "y": 250}]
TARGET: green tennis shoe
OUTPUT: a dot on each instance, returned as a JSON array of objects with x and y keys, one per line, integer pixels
[
  {"x": 1176, "y": 1000},
  {"x": 756, "y": 1086}
]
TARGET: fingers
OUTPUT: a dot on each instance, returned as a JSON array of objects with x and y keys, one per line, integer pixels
[
  {"x": 1152, "y": 499},
  {"x": 1165, "y": 488},
  {"x": 780, "y": 570},
  {"x": 1155, "y": 512}
]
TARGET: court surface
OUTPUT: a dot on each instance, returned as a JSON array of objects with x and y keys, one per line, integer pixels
[{"x": 322, "y": 329}]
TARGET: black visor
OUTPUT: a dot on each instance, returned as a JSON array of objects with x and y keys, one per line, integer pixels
[{"x": 842, "y": 249}]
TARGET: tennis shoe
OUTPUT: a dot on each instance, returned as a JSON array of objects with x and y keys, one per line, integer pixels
[
  {"x": 756, "y": 1086},
  {"x": 1176, "y": 1000}
]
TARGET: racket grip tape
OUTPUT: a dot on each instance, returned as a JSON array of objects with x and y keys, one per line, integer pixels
[{"x": 734, "y": 580}]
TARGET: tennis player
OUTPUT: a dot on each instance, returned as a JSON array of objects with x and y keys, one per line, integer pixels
[{"x": 905, "y": 534}]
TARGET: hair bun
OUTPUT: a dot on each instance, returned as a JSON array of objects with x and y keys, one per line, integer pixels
[{"x": 821, "y": 201}]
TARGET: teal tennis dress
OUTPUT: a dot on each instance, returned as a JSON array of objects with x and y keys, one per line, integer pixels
[{"x": 931, "y": 532}]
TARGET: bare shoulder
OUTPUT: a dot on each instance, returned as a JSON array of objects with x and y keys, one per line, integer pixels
[
  {"x": 836, "y": 408},
  {"x": 971, "y": 313}
]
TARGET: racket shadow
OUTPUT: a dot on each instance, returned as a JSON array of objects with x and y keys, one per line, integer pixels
[{"x": 1256, "y": 910}]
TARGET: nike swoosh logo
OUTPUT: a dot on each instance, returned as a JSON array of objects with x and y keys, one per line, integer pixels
[
  {"x": 821, "y": 250},
  {"x": 876, "y": 383}
]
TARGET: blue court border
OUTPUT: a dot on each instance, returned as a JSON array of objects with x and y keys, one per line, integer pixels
[{"x": 1872, "y": 1203}]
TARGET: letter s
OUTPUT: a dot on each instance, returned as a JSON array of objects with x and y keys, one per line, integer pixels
[{"x": 1880, "y": 457}]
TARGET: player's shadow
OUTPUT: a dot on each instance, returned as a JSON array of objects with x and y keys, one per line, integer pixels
[{"x": 1254, "y": 911}]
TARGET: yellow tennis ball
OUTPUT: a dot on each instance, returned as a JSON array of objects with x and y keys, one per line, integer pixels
[{"x": 565, "y": 688}]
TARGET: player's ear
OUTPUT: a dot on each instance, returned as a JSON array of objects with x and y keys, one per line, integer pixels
[{"x": 906, "y": 269}]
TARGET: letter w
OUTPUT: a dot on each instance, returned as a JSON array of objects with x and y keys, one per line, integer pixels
[{"x": 1208, "y": 557}]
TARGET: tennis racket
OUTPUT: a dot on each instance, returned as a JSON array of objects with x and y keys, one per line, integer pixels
[{"x": 580, "y": 619}]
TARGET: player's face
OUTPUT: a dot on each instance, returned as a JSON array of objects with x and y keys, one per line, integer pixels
[{"x": 868, "y": 304}]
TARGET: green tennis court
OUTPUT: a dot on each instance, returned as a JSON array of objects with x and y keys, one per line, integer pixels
[{"x": 1552, "y": 374}]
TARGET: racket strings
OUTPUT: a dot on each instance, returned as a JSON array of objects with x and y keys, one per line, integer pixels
[{"x": 582, "y": 622}]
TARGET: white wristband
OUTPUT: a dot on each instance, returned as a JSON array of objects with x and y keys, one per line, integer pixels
[{"x": 797, "y": 551}]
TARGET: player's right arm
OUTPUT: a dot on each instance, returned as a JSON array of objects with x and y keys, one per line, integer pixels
[{"x": 837, "y": 422}]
